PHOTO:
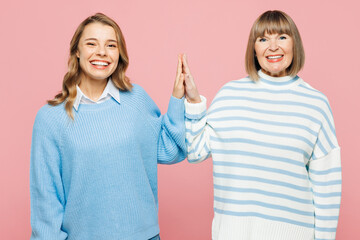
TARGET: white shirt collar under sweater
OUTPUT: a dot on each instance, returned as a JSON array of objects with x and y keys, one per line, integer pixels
[
  {"x": 278, "y": 82},
  {"x": 110, "y": 91}
]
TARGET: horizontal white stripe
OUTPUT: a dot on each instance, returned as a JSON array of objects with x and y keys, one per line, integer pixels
[
  {"x": 245, "y": 196},
  {"x": 244, "y": 142},
  {"x": 262, "y": 186},
  {"x": 263, "y": 210},
  {"x": 326, "y": 177},
  {"x": 278, "y": 155},
  {"x": 327, "y": 189},
  {"x": 261, "y": 173},
  {"x": 328, "y": 200},
  {"x": 326, "y": 224}
]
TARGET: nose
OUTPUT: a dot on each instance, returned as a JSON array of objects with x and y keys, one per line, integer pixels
[
  {"x": 273, "y": 45},
  {"x": 101, "y": 50}
]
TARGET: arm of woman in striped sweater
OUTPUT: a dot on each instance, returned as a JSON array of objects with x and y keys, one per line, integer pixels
[
  {"x": 325, "y": 177},
  {"x": 197, "y": 129}
]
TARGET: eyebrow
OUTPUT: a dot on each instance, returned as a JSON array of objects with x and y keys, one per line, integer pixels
[{"x": 95, "y": 39}]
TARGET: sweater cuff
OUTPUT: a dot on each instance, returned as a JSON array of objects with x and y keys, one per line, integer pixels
[
  {"x": 195, "y": 110},
  {"x": 176, "y": 109}
]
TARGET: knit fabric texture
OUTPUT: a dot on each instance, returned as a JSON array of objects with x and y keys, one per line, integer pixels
[
  {"x": 276, "y": 160},
  {"x": 96, "y": 177}
]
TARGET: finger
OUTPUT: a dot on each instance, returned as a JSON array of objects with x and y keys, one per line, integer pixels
[
  {"x": 181, "y": 80},
  {"x": 185, "y": 64},
  {"x": 178, "y": 71},
  {"x": 179, "y": 66},
  {"x": 179, "y": 88},
  {"x": 180, "y": 84},
  {"x": 189, "y": 80}
]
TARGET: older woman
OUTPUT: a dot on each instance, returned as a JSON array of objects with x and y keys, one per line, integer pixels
[
  {"x": 276, "y": 160},
  {"x": 96, "y": 146}
]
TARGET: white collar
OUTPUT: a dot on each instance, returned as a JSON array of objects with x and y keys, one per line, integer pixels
[
  {"x": 110, "y": 90},
  {"x": 278, "y": 82}
]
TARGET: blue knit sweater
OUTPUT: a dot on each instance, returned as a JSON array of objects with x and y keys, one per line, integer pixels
[{"x": 96, "y": 177}]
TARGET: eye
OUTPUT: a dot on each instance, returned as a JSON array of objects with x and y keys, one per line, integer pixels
[
  {"x": 90, "y": 44},
  {"x": 283, "y": 37},
  {"x": 262, "y": 39},
  {"x": 112, "y": 45}
]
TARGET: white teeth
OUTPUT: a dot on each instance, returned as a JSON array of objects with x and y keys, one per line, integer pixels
[
  {"x": 99, "y": 63},
  {"x": 274, "y": 57}
]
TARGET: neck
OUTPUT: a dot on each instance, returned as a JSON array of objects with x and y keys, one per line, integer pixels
[
  {"x": 92, "y": 88},
  {"x": 279, "y": 74}
]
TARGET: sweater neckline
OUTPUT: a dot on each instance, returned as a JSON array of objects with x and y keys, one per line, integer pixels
[
  {"x": 278, "y": 82},
  {"x": 98, "y": 106}
]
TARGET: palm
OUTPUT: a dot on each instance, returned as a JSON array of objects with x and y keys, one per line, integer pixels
[{"x": 191, "y": 92}]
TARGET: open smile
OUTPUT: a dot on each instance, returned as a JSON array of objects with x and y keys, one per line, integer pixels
[
  {"x": 100, "y": 64},
  {"x": 274, "y": 58}
]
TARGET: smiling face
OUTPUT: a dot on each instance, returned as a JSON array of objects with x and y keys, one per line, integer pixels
[
  {"x": 98, "y": 52},
  {"x": 274, "y": 53}
]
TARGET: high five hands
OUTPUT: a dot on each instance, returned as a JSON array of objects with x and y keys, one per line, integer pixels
[{"x": 184, "y": 82}]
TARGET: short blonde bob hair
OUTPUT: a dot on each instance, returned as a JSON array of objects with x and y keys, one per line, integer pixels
[
  {"x": 272, "y": 22},
  {"x": 71, "y": 78}
]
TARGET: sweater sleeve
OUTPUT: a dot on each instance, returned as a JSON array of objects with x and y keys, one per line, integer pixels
[
  {"x": 325, "y": 177},
  {"x": 46, "y": 189},
  {"x": 171, "y": 145},
  {"x": 197, "y": 131}
]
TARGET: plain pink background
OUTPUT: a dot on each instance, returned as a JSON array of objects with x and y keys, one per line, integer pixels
[{"x": 35, "y": 38}]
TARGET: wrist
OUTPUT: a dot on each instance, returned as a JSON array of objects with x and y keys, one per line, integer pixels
[
  {"x": 177, "y": 95},
  {"x": 197, "y": 99}
]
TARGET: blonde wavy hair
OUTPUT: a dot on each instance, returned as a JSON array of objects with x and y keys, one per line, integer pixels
[
  {"x": 71, "y": 78},
  {"x": 272, "y": 22}
]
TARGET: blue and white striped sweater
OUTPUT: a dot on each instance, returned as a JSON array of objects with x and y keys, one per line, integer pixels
[{"x": 276, "y": 159}]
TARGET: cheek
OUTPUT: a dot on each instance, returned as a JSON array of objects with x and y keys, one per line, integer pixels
[
  {"x": 115, "y": 64},
  {"x": 257, "y": 50},
  {"x": 290, "y": 55},
  {"x": 82, "y": 61},
  {"x": 289, "y": 49},
  {"x": 115, "y": 58}
]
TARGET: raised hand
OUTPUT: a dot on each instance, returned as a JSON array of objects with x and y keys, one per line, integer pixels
[
  {"x": 191, "y": 92},
  {"x": 179, "y": 88}
]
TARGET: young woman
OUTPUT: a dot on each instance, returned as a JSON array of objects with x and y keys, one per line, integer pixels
[
  {"x": 276, "y": 160},
  {"x": 96, "y": 145}
]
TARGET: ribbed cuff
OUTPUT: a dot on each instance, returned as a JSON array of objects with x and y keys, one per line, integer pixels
[
  {"x": 176, "y": 108},
  {"x": 195, "y": 110}
]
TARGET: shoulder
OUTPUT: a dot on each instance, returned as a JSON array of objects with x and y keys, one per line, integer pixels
[
  {"x": 313, "y": 95},
  {"x": 234, "y": 86},
  {"x": 50, "y": 117},
  {"x": 137, "y": 97},
  {"x": 137, "y": 89},
  {"x": 48, "y": 112},
  {"x": 310, "y": 89},
  {"x": 137, "y": 92}
]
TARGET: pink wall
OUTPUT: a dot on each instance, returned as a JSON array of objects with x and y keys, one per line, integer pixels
[{"x": 34, "y": 41}]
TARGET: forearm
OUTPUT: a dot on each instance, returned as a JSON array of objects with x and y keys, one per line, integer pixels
[
  {"x": 197, "y": 131},
  {"x": 171, "y": 145},
  {"x": 325, "y": 176}
]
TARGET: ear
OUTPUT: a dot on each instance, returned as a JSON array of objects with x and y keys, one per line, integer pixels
[{"x": 77, "y": 54}]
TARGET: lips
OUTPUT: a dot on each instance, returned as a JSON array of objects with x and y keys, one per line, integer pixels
[
  {"x": 100, "y": 64},
  {"x": 274, "y": 58}
]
